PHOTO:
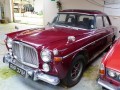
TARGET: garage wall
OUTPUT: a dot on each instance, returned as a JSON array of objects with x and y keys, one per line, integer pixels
[
  {"x": 112, "y": 8},
  {"x": 81, "y": 4},
  {"x": 50, "y": 8},
  {"x": 1, "y": 4},
  {"x": 116, "y": 22},
  {"x": 50, "y": 11},
  {"x": 7, "y": 9},
  {"x": 38, "y": 5},
  {"x": 0, "y": 13}
]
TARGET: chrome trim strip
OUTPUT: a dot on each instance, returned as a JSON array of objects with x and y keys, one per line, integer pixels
[
  {"x": 107, "y": 85},
  {"x": 21, "y": 61},
  {"x": 48, "y": 78},
  {"x": 36, "y": 74},
  {"x": 76, "y": 13},
  {"x": 85, "y": 45},
  {"x": 98, "y": 53},
  {"x": 71, "y": 27}
]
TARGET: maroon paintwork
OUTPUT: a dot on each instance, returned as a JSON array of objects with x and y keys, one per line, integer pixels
[
  {"x": 84, "y": 11},
  {"x": 90, "y": 43}
]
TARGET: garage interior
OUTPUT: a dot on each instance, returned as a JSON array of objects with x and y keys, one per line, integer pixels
[{"x": 11, "y": 15}]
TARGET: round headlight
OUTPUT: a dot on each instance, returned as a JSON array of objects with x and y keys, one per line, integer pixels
[
  {"x": 9, "y": 42},
  {"x": 46, "y": 55},
  {"x": 111, "y": 73},
  {"x": 46, "y": 67}
]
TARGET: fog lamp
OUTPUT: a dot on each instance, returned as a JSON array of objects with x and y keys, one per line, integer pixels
[{"x": 46, "y": 67}]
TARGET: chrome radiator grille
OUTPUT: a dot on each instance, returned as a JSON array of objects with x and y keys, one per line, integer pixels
[{"x": 25, "y": 54}]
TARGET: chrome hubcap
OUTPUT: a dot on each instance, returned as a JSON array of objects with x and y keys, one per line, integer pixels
[{"x": 76, "y": 70}]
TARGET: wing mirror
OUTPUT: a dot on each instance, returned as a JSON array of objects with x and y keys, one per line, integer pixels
[
  {"x": 49, "y": 24},
  {"x": 71, "y": 39},
  {"x": 16, "y": 27}
]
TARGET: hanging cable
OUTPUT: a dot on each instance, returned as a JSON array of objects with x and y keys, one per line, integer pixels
[
  {"x": 110, "y": 2},
  {"x": 98, "y": 4},
  {"x": 92, "y": 2}
]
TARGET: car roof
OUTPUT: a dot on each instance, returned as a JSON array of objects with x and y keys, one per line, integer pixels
[{"x": 92, "y": 12}]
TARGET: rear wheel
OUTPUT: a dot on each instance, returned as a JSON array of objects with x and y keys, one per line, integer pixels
[{"x": 75, "y": 72}]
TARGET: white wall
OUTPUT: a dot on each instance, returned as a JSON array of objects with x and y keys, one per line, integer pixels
[
  {"x": 0, "y": 13},
  {"x": 0, "y": 9},
  {"x": 81, "y": 4},
  {"x": 50, "y": 8},
  {"x": 38, "y": 5},
  {"x": 50, "y": 11},
  {"x": 116, "y": 22},
  {"x": 112, "y": 8},
  {"x": 7, "y": 9}
]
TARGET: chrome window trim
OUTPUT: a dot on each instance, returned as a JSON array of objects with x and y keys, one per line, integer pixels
[
  {"x": 81, "y": 48},
  {"x": 75, "y": 13},
  {"x": 21, "y": 61},
  {"x": 72, "y": 27}
]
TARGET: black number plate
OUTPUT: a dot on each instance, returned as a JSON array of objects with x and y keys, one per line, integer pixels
[{"x": 17, "y": 69}]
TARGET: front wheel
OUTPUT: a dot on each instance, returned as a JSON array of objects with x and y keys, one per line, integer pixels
[{"x": 75, "y": 72}]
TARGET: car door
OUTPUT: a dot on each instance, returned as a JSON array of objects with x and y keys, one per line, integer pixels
[
  {"x": 110, "y": 29},
  {"x": 101, "y": 34},
  {"x": 86, "y": 23},
  {"x": 98, "y": 38}
]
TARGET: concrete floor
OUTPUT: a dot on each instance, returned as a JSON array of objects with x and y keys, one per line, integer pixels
[{"x": 9, "y": 80}]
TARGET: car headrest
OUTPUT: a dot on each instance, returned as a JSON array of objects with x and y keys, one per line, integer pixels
[{"x": 85, "y": 19}]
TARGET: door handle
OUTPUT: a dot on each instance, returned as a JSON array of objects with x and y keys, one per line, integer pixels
[
  {"x": 113, "y": 29},
  {"x": 93, "y": 43}
]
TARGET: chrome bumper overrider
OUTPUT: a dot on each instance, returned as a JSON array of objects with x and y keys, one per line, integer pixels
[
  {"x": 36, "y": 74},
  {"x": 107, "y": 85}
]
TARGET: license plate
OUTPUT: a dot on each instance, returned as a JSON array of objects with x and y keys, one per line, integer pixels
[{"x": 17, "y": 69}]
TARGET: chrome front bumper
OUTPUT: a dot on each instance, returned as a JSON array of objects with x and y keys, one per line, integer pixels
[
  {"x": 107, "y": 85},
  {"x": 36, "y": 74}
]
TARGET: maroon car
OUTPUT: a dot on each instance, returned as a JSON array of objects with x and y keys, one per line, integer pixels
[{"x": 61, "y": 51}]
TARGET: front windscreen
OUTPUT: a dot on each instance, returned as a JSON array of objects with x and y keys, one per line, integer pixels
[{"x": 75, "y": 20}]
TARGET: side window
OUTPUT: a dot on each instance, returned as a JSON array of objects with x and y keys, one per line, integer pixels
[
  {"x": 70, "y": 18},
  {"x": 66, "y": 19},
  {"x": 62, "y": 17},
  {"x": 70, "y": 21},
  {"x": 99, "y": 22},
  {"x": 106, "y": 22}
]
